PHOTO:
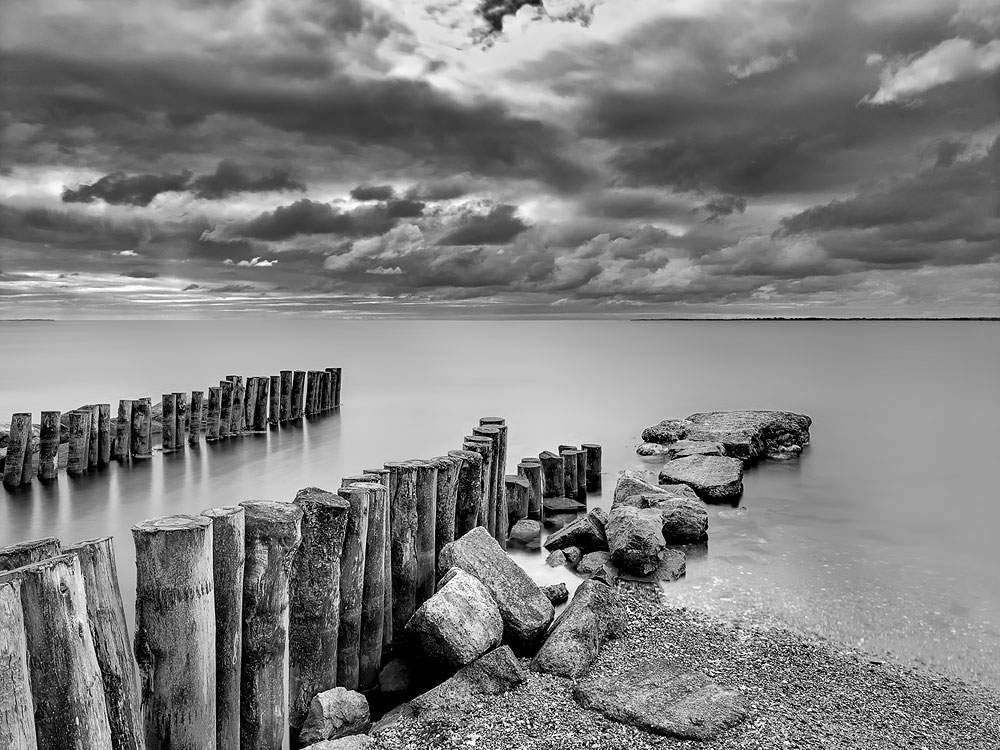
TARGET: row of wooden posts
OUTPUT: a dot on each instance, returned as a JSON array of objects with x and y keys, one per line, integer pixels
[
  {"x": 335, "y": 577},
  {"x": 233, "y": 407}
]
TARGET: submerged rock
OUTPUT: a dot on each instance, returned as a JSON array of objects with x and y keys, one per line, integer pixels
[
  {"x": 556, "y": 559},
  {"x": 718, "y": 478},
  {"x": 632, "y": 482},
  {"x": 667, "y": 431},
  {"x": 579, "y": 633},
  {"x": 685, "y": 520},
  {"x": 586, "y": 533},
  {"x": 562, "y": 505},
  {"x": 652, "y": 449},
  {"x": 746, "y": 435},
  {"x": 683, "y": 448},
  {"x": 671, "y": 567},
  {"x": 526, "y": 532},
  {"x": 635, "y": 539},
  {"x": 335, "y": 713}
]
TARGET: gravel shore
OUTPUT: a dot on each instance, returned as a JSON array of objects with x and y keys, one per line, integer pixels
[{"x": 803, "y": 692}]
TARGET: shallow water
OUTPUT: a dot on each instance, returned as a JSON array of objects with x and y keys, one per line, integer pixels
[{"x": 882, "y": 534}]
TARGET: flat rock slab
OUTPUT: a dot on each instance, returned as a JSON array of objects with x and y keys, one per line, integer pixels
[
  {"x": 491, "y": 674},
  {"x": 586, "y": 533},
  {"x": 562, "y": 505},
  {"x": 656, "y": 696},
  {"x": 632, "y": 482},
  {"x": 747, "y": 435},
  {"x": 718, "y": 478},
  {"x": 683, "y": 448},
  {"x": 579, "y": 633}
]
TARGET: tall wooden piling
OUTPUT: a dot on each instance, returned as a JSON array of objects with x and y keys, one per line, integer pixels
[
  {"x": 213, "y": 423},
  {"x": 352, "y": 584},
  {"x": 180, "y": 419},
  {"x": 237, "y": 423},
  {"x": 273, "y": 535},
  {"x": 109, "y": 630},
  {"x": 17, "y": 711},
  {"x": 196, "y": 417},
  {"x": 298, "y": 393},
  {"x": 142, "y": 425},
  {"x": 373, "y": 593},
  {"x": 18, "y": 450},
  {"x": 310, "y": 393},
  {"x": 28, "y": 553},
  {"x": 484, "y": 447},
  {"x": 517, "y": 489},
  {"x": 426, "y": 528},
  {"x": 79, "y": 430},
  {"x": 93, "y": 443},
  {"x": 383, "y": 473},
  {"x": 250, "y": 402},
  {"x": 287, "y": 379},
  {"x": 496, "y": 476},
  {"x": 315, "y": 599},
  {"x": 48, "y": 445},
  {"x": 169, "y": 422},
  {"x": 66, "y": 686},
  {"x": 338, "y": 381},
  {"x": 123, "y": 430},
  {"x": 260, "y": 407},
  {"x": 593, "y": 466},
  {"x": 581, "y": 475},
  {"x": 175, "y": 630},
  {"x": 228, "y": 552},
  {"x": 403, "y": 543},
  {"x": 274, "y": 406},
  {"x": 569, "y": 456},
  {"x": 448, "y": 468},
  {"x": 468, "y": 497},
  {"x": 501, "y": 445},
  {"x": 226, "y": 408},
  {"x": 103, "y": 434},
  {"x": 532, "y": 471},
  {"x": 327, "y": 390},
  {"x": 553, "y": 474}
]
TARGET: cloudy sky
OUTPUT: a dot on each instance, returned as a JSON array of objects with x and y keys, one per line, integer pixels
[{"x": 190, "y": 158}]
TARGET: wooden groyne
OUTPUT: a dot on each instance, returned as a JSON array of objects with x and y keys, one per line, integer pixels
[{"x": 88, "y": 438}]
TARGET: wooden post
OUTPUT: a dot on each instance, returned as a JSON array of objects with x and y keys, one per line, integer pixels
[
  {"x": 123, "y": 430},
  {"x": 373, "y": 594},
  {"x": 66, "y": 686},
  {"x": 260, "y": 408},
  {"x": 310, "y": 393},
  {"x": 142, "y": 423},
  {"x": 18, "y": 450},
  {"x": 79, "y": 430},
  {"x": 469, "y": 496},
  {"x": 93, "y": 444},
  {"x": 448, "y": 468},
  {"x": 250, "y": 403},
  {"x": 532, "y": 471},
  {"x": 273, "y": 535},
  {"x": 103, "y": 434},
  {"x": 483, "y": 446},
  {"x": 226, "y": 408},
  {"x": 48, "y": 445},
  {"x": 518, "y": 489},
  {"x": 175, "y": 631},
  {"x": 228, "y": 552},
  {"x": 553, "y": 474},
  {"x": 315, "y": 599},
  {"x": 327, "y": 390},
  {"x": 298, "y": 393},
  {"x": 352, "y": 586},
  {"x": 214, "y": 421},
  {"x": 274, "y": 411},
  {"x": 197, "y": 409},
  {"x": 387, "y": 554},
  {"x": 17, "y": 712},
  {"x": 426, "y": 529},
  {"x": 593, "y": 466},
  {"x": 581, "y": 475},
  {"x": 335, "y": 376},
  {"x": 569, "y": 457},
  {"x": 28, "y": 553},
  {"x": 493, "y": 433},
  {"x": 180, "y": 419},
  {"x": 239, "y": 395},
  {"x": 501, "y": 424},
  {"x": 169, "y": 420},
  {"x": 287, "y": 378},
  {"x": 109, "y": 630},
  {"x": 403, "y": 543}
]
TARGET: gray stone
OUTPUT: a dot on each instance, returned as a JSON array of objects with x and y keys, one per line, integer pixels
[
  {"x": 685, "y": 520},
  {"x": 525, "y": 611},
  {"x": 525, "y": 531},
  {"x": 632, "y": 483},
  {"x": 496, "y": 672},
  {"x": 652, "y": 449},
  {"x": 579, "y": 633},
  {"x": 334, "y": 713},
  {"x": 585, "y": 533},
  {"x": 683, "y": 448},
  {"x": 562, "y": 505},
  {"x": 556, "y": 559},
  {"x": 672, "y": 566},
  {"x": 396, "y": 676},
  {"x": 354, "y": 742},
  {"x": 656, "y": 696},
  {"x": 557, "y": 593},
  {"x": 592, "y": 562},
  {"x": 459, "y": 623},
  {"x": 667, "y": 431},
  {"x": 573, "y": 555},
  {"x": 635, "y": 539},
  {"x": 718, "y": 478},
  {"x": 746, "y": 435},
  {"x": 393, "y": 717}
]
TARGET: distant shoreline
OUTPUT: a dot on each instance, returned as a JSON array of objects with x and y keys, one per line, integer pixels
[{"x": 755, "y": 319}]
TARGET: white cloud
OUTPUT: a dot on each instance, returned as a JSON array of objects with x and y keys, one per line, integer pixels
[
  {"x": 764, "y": 64},
  {"x": 255, "y": 262},
  {"x": 128, "y": 253},
  {"x": 952, "y": 60}
]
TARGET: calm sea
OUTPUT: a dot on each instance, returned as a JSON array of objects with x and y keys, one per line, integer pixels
[{"x": 883, "y": 534}]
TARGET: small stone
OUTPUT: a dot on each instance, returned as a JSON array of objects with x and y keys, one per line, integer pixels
[
  {"x": 573, "y": 555},
  {"x": 592, "y": 562},
  {"x": 557, "y": 593},
  {"x": 556, "y": 559},
  {"x": 652, "y": 449},
  {"x": 334, "y": 713},
  {"x": 585, "y": 533},
  {"x": 525, "y": 531}
]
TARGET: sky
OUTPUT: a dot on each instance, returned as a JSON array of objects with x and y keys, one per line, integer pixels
[{"x": 466, "y": 158}]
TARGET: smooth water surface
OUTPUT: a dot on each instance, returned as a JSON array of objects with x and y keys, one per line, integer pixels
[{"x": 883, "y": 534}]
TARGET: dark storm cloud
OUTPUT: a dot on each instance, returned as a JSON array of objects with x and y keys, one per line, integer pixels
[
  {"x": 373, "y": 193},
  {"x": 946, "y": 152},
  {"x": 229, "y": 178},
  {"x": 494, "y": 11},
  {"x": 141, "y": 273},
  {"x": 445, "y": 189},
  {"x": 119, "y": 188},
  {"x": 497, "y": 227},
  {"x": 404, "y": 209},
  {"x": 724, "y": 205},
  {"x": 233, "y": 288},
  {"x": 308, "y": 217},
  {"x": 47, "y": 226}
]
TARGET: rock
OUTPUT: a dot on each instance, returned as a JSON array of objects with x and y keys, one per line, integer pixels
[
  {"x": 557, "y": 593},
  {"x": 585, "y": 533},
  {"x": 491, "y": 674},
  {"x": 746, "y": 435},
  {"x": 656, "y": 696},
  {"x": 592, "y": 562},
  {"x": 557, "y": 559},
  {"x": 579, "y": 633},
  {"x": 635, "y": 539},
  {"x": 685, "y": 520},
  {"x": 396, "y": 677},
  {"x": 573, "y": 555},
  {"x": 717, "y": 478},
  {"x": 525, "y": 531},
  {"x": 667, "y": 431},
  {"x": 683, "y": 448},
  {"x": 652, "y": 449},
  {"x": 632, "y": 482},
  {"x": 671, "y": 567},
  {"x": 354, "y": 742},
  {"x": 600, "y": 518},
  {"x": 335, "y": 713},
  {"x": 562, "y": 505},
  {"x": 459, "y": 623},
  {"x": 525, "y": 611},
  {"x": 393, "y": 717}
]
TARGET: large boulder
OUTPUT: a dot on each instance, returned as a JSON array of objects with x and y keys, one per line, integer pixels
[
  {"x": 334, "y": 713},
  {"x": 635, "y": 539},
  {"x": 632, "y": 482},
  {"x": 585, "y": 533},
  {"x": 579, "y": 633},
  {"x": 718, "y": 478},
  {"x": 746, "y": 435},
  {"x": 459, "y": 623},
  {"x": 685, "y": 520},
  {"x": 683, "y": 448},
  {"x": 491, "y": 674},
  {"x": 671, "y": 567},
  {"x": 667, "y": 431},
  {"x": 525, "y": 610},
  {"x": 657, "y": 696}
]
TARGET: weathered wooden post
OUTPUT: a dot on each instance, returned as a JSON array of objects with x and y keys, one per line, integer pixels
[
  {"x": 518, "y": 489},
  {"x": 298, "y": 393},
  {"x": 274, "y": 410},
  {"x": 273, "y": 534},
  {"x": 581, "y": 475},
  {"x": 142, "y": 426},
  {"x": 18, "y": 450},
  {"x": 175, "y": 631},
  {"x": 314, "y": 599},
  {"x": 383, "y": 473},
  {"x": 17, "y": 711},
  {"x": 123, "y": 430},
  {"x": 593, "y": 466},
  {"x": 27, "y": 553},
  {"x": 79, "y": 429},
  {"x": 553, "y": 474},
  {"x": 403, "y": 542},
  {"x": 213, "y": 423},
  {"x": 66, "y": 687},
  {"x": 483, "y": 446},
  {"x": 197, "y": 409},
  {"x": 103, "y": 434},
  {"x": 260, "y": 408},
  {"x": 373, "y": 590},
  {"x": 469, "y": 495},
  {"x": 109, "y": 630},
  {"x": 501, "y": 445},
  {"x": 493, "y": 433},
  {"x": 236, "y": 424},
  {"x": 569, "y": 456},
  {"x": 250, "y": 403},
  {"x": 93, "y": 441},
  {"x": 448, "y": 468},
  {"x": 48, "y": 445},
  {"x": 228, "y": 553},
  {"x": 287, "y": 379},
  {"x": 352, "y": 586},
  {"x": 327, "y": 390},
  {"x": 532, "y": 471},
  {"x": 310, "y": 393},
  {"x": 180, "y": 419},
  {"x": 226, "y": 408},
  {"x": 426, "y": 528},
  {"x": 335, "y": 376},
  {"x": 169, "y": 422}
]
